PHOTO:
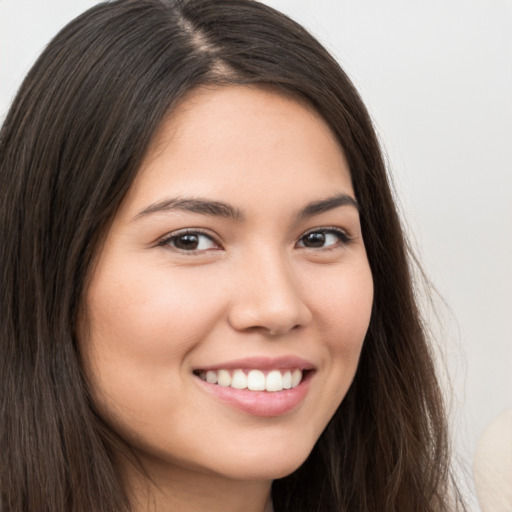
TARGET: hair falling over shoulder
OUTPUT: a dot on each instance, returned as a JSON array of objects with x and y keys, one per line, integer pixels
[{"x": 70, "y": 148}]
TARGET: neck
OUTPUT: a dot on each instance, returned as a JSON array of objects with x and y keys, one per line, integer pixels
[{"x": 190, "y": 491}]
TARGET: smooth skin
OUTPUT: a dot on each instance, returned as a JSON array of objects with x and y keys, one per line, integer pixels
[{"x": 179, "y": 286}]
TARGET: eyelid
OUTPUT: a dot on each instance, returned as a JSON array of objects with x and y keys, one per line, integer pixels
[
  {"x": 345, "y": 238},
  {"x": 166, "y": 239}
]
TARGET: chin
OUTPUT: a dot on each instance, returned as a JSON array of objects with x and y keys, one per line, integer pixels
[{"x": 266, "y": 466}]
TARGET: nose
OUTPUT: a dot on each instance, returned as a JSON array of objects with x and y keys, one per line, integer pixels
[{"x": 268, "y": 297}]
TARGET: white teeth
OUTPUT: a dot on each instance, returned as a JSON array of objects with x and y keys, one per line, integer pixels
[
  {"x": 239, "y": 380},
  {"x": 287, "y": 380},
  {"x": 224, "y": 379},
  {"x": 296, "y": 378},
  {"x": 274, "y": 381},
  {"x": 254, "y": 380},
  {"x": 211, "y": 377}
]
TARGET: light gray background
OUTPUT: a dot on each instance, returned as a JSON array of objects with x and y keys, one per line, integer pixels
[{"x": 437, "y": 78}]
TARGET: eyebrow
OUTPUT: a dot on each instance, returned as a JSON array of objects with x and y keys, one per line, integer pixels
[
  {"x": 324, "y": 205},
  {"x": 220, "y": 209},
  {"x": 201, "y": 206}
]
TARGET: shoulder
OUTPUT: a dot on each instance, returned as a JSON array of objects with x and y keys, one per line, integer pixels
[{"x": 493, "y": 465}]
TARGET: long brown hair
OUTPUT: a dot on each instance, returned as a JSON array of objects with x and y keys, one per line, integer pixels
[{"x": 70, "y": 148}]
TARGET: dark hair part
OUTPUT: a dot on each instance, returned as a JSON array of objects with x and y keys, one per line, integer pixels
[{"x": 70, "y": 148}]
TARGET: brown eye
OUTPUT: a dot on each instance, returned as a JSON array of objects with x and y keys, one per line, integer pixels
[
  {"x": 186, "y": 242},
  {"x": 323, "y": 239},
  {"x": 315, "y": 239},
  {"x": 190, "y": 242}
]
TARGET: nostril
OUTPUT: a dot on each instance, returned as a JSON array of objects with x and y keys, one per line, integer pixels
[{"x": 279, "y": 332}]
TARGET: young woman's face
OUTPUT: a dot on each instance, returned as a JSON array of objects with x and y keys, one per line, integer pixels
[{"x": 235, "y": 260}]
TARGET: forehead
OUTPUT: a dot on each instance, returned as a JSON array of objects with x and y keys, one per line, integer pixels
[{"x": 228, "y": 141}]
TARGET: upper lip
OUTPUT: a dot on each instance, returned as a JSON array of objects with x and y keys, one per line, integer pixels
[{"x": 262, "y": 363}]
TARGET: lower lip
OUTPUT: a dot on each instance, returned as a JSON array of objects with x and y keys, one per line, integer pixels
[{"x": 261, "y": 403}]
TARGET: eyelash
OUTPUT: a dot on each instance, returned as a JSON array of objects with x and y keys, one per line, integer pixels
[
  {"x": 343, "y": 239},
  {"x": 170, "y": 240}
]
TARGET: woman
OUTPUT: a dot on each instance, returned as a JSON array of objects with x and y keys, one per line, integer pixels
[{"x": 206, "y": 297}]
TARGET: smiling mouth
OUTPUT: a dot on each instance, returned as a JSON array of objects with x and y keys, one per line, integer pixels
[{"x": 253, "y": 380}]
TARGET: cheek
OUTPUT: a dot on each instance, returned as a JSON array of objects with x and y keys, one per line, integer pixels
[
  {"x": 344, "y": 305},
  {"x": 135, "y": 336},
  {"x": 153, "y": 318}
]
